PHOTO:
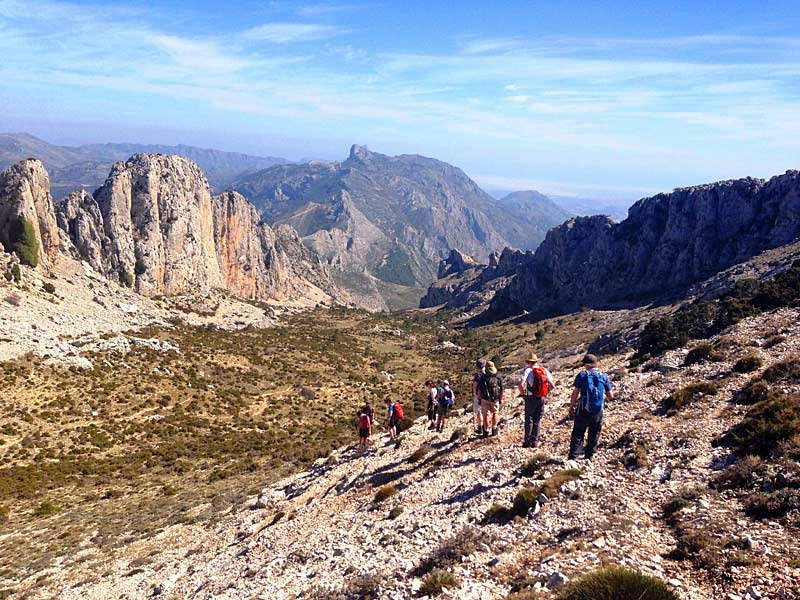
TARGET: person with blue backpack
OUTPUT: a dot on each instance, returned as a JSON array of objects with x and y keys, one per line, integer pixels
[{"x": 591, "y": 388}]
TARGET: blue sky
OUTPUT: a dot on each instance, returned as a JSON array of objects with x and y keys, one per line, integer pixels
[{"x": 607, "y": 99}]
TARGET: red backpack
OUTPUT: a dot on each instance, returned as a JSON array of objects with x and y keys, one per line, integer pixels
[
  {"x": 398, "y": 411},
  {"x": 540, "y": 386}
]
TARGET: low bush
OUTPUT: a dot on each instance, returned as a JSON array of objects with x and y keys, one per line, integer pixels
[
  {"x": 755, "y": 391},
  {"x": 458, "y": 434},
  {"x": 773, "y": 341},
  {"x": 498, "y": 513},
  {"x": 771, "y": 505},
  {"x": 4, "y": 512},
  {"x": 46, "y": 508},
  {"x": 616, "y": 583},
  {"x": 387, "y": 491},
  {"x": 681, "y": 500},
  {"x": 438, "y": 580},
  {"x": 699, "y": 353},
  {"x": 396, "y": 512},
  {"x": 15, "y": 272},
  {"x": 684, "y": 396},
  {"x": 23, "y": 241},
  {"x": 743, "y": 474},
  {"x": 636, "y": 457},
  {"x": 13, "y": 299},
  {"x": 748, "y": 364},
  {"x": 450, "y": 551},
  {"x": 419, "y": 453},
  {"x": 525, "y": 499},
  {"x": 533, "y": 464},
  {"x": 770, "y": 428},
  {"x": 49, "y": 287},
  {"x": 553, "y": 484},
  {"x": 786, "y": 371},
  {"x": 404, "y": 424}
]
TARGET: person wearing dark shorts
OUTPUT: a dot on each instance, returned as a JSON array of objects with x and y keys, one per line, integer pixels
[
  {"x": 446, "y": 400},
  {"x": 433, "y": 395},
  {"x": 364, "y": 428}
]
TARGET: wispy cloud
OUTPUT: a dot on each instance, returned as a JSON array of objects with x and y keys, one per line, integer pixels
[{"x": 285, "y": 33}]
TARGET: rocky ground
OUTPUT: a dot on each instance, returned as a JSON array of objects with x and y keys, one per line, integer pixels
[{"x": 321, "y": 532}]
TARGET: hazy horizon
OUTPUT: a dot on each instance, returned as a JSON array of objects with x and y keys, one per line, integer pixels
[{"x": 612, "y": 102}]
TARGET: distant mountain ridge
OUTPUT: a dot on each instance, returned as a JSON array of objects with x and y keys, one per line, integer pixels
[
  {"x": 389, "y": 220},
  {"x": 73, "y": 168},
  {"x": 668, "y": 243}
]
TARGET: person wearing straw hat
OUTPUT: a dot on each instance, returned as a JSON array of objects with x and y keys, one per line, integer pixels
[{"x": 534, "y": 387}]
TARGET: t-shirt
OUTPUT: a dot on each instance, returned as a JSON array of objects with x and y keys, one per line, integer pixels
[
  {"x": 433, "y": 395},
  {"x": 363, "y": 421},
  {"x": 527, "y": 377},
  {"x": 582, "y": 379},
  {"x": 476, "y": 384}
]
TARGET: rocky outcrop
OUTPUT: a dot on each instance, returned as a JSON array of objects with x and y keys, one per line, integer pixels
[
  {"x": 156, "y": 227},
  {"x": 25, "y": 193},
  {"x": 456, "y": 262},
  {"x": 390, "y": 218},
  {"x": 667, "y": 243}
]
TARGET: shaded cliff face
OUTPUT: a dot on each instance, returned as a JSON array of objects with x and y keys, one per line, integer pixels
[
  {"x": 390, "y": 218},
  {"x": 155, "y": 226},
  {"x": 25, "y": 192},
  {"x": 667, "y": 243}
]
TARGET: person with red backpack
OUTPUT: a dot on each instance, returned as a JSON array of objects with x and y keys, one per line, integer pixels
[
  {"x": 395, "y": 414},
  {"x": 534, "y": 387},
  {"x": 586, "y": 405}
]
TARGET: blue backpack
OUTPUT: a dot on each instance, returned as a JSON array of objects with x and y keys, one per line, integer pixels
[{"x": 595, "y": 397}]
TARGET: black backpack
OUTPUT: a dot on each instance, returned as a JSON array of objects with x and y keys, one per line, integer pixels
[{"x": 491, "y": 387}]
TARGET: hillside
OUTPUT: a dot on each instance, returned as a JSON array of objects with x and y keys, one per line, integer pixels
[
  {"x": 668, "y": 243},
  {"x": 388, "y": 220},
  {"x": 660, "y": 497},
  {"x": 73, "y": 168}
]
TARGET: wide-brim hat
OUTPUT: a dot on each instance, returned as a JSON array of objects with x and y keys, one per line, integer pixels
[
  {"x": 491, "y": 368},
  {"x": 532, "y": 358}
]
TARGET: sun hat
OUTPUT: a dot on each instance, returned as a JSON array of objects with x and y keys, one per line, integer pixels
[
  {"x": 589, "y": 359},
  {"x": 491, "y": 368},
  {"x": 532, "y": 358},
  {"x": 446, "y": 383}
]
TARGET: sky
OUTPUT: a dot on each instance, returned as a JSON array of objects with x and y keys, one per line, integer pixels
[{"x": 613, "y": 100}]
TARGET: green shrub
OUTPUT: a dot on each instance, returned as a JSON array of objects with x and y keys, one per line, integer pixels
[
  {"x": 770, "y": 428},
  {"x": 23, "y": 241},
  {"x": 533, "y": 464},
  {"x": 459, "y": 433},
  {"x": 49, "y": 287},
  {"x": 773, "y": 341},
  {"x": 786, "y": 371},
  {"x": 387, "y": 491},
  {"x": 498, "y": 513},
  {"x": 4, "y": 512},
  {"x": 419, "y": 453},
  {"x": 396, "y": 512},
  {"x": 525, "y": 499},
  {"x": 404, "y": 424},
  {"x": 681, "y": 500},
  {"x": 46, "y": 508},
  {"x": 699, "y": 353},
  {"x": 616, "y": 583},
  {"x": 684, "y": 396},
  {"x": 553, "y": 484},
  {"x": 770, "y": 505},
  {"x": 748, "y": 364},
  {"x": 743, "y": 474},
  {"x": 16, "y": 272},
  {"x": 755, "y": 391},
  {"x": 126, "y": 278},
  {"x": 450, "y": 551},
  {"x": 139, "y": 268},
  {"x": 438, "y": 580}
]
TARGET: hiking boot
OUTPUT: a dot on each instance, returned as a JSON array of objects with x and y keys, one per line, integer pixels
[
  {"x": 479, "y": 430},
  {"x": 494, "y": 431},
  {"x": 485, "y": 433}
]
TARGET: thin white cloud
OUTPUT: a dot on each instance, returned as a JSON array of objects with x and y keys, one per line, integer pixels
[
  {"x": 511, "y": 87},
  {"x": 519, "y": 99},
  {"x": 286, "y": 33}
]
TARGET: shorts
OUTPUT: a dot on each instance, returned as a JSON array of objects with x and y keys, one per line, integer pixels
[
  {"x": 394, "y": 422},
  {"x": 442, "y": 410},
  {"x": 487, "y": 406},
  {"x": 363, "y": 433}
]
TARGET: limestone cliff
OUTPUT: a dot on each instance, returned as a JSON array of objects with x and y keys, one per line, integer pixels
[{"x": 25, "y": 192}]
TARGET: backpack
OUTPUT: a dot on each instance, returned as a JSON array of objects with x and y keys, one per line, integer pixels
[
  {"x": 447, "y": 398},
  {"x": 595, "y": 397},
  {"x": 540, "y": 386},
  {"x": 398, "y": 411},
  {"x": 492, "y": 387}
]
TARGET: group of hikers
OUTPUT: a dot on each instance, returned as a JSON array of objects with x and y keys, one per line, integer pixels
[{"x": 590, "y": 388}]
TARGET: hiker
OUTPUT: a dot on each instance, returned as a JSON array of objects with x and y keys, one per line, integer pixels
[
  {"x": 433, "y": 395},
  {"x": 364, "y": 428},
  {"x": 446, "y": 400},
  {"x": 491, "y": 398},
  {"x": 370, "y": 411},
  {"x": 395, "y": 414},
  {"x": 476, "y": 393},
  {"x": 534, "y": 387},
  {"x": 590, "y": 390}
]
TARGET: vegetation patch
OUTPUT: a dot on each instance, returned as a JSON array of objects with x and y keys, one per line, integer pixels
[
  {"x": 452, "y": 550},
  {"x": 703, "y": 319},
  {"x": 701, "y": 353},
  {"x": 385, "y": 492},
  {"x": 419, "y": 453},
  {"x": 23, "y": 241},
  {"x": 534, "y": 464},
  {"x": 748, "y": 364},
  {"x": 437, "y": 581},
  {"x": 679, "y": 399},
  {"x": 616, "y": 583}
]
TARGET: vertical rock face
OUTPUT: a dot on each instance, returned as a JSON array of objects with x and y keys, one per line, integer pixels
[
  {"x": 157, "y": 219},
  {"x": 667, "y": 243},
  {"x": 25, "y": 192},
  {"x": 155, "y": 225}
]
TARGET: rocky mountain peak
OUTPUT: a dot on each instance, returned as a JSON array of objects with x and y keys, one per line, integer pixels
[
  {"x": 456, "y": 262},
  {"x": 25, "y": 194},
  {"x": 359, "y": 152}
]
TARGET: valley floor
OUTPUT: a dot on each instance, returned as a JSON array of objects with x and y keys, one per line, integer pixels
[{"x": 321, "y": 532}]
